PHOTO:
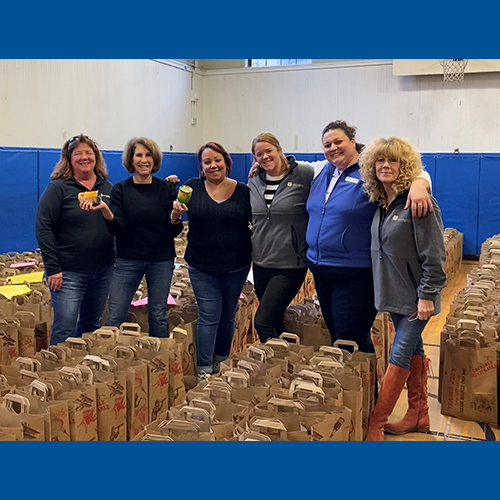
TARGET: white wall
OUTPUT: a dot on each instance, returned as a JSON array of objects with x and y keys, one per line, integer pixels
[
  {"x": 297, "y": 104},
  {"x": 44, "y": 102}
]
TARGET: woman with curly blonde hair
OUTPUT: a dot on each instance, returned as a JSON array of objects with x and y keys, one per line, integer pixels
[{"x": 407, "y": 262}]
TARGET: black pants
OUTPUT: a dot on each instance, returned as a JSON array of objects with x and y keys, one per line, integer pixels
[
  {"x": 275, "y": 289},
  {"x": 346, "y": 298}
]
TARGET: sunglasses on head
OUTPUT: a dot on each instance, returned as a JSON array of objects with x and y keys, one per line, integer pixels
[{"x": 76, "y": 138}]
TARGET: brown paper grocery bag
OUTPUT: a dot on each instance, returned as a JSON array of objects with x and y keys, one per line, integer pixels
[
  {"x": 112, "y": 409},
  {"x": 184, "y": 325},
  {"x": 470, "y": 384},
  {"x": 9, "y": 340},
  {"x": 136, "y": 372}
]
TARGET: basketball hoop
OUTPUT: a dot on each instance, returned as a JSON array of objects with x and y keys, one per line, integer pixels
[{"x": 453, "y": 69}]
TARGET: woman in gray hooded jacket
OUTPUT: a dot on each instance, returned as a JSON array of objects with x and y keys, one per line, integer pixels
[{"x": 408, "y": 255}]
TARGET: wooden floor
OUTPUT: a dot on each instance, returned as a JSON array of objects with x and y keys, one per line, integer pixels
[{"x": 443, "y": 428}]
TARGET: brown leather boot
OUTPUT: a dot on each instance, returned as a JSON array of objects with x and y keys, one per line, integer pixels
[
  {"x": 417, "y": 416},
  {"x": 394, "y": 380}
]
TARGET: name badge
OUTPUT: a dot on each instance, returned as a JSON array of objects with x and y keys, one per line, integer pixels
[{"x": 352, "y": 179}]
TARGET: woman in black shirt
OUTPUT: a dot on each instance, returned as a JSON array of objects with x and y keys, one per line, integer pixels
[{"x": 218, "y": 252}]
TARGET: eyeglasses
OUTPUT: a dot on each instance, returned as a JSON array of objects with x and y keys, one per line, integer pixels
[{"x": 413, "y": 317}]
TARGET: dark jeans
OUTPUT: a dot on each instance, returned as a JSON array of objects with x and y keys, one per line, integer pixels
[
  {"x": 275, "y": 289},
  {"x": 79, "y": 304},
  {"x": 127, "y": 278},
  {"x": 217, "y": 296},
  {"x": 347, "y": 301}
]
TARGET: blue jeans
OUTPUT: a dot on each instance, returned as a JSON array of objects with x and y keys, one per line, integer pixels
[
  {"x": 408, "y": 340},
  {"x": 79, "y": 304},
  {"x": 217, "y": 296},
  {"x": 127, "y": 278}
]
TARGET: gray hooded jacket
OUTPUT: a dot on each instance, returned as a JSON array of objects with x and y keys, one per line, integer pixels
[
  {"x": 408, "y": 255},
  {"x": 279, "y": 233}
]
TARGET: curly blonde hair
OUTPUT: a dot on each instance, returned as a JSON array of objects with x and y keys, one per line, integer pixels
[
  {"x": 64, "y": 170},
  {"x": 394, "y": 148}
]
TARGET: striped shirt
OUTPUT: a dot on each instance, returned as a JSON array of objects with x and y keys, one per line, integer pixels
[{"x": 272, "y": 185}]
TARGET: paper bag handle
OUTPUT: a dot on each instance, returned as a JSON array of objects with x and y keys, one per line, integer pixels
[
  {"x": 49, "y": 356},
  {"x": 204, "y": 404},
  {"x": 279, "y": 404},
  {"x": 124, "y": 352},
  {"x": 334, "y": 352},
  {"x": 41, "y": 390},
  {"x": 290, "y": 337},
  {"x": 179, "y": 426},
  {"x": 236, "y": 378},
  {"x": 30, "y": 364},
  {"x": 311, "y": 376},
  {"x": 341, "y": 342},
  {"x": 130, "y": 329},
  {"x": 468, "y": 342},
  {"x": 16, "y": 403},
  {"x": 193, "y": 414},
  {"x": 253, "y": 436}
]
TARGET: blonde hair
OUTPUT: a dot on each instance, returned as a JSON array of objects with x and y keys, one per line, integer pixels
[
  {"x": 271, "y": 139},
  {"x": 393, "y": 147},
  {"x": 150, "y": 145},
  {"x": 63, "y": 168}
]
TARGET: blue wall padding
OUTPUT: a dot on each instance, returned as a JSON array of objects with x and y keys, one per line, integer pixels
[
  {"x": 466, "y": 185},
  {"x": 114, "y": 165},
  {"x": 456, "y": 189},
  {"x": 19, "y": 195},
  {"x": 184, "y": 165},
  {"x": 489, "y": 197},
  {"x": 239, "y": 167},
  {"x": 429, "y": 163},
  {"x": 47, "y": 160}
]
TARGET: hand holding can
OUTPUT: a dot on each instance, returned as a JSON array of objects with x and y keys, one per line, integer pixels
[{"x": 93, "y": 196}]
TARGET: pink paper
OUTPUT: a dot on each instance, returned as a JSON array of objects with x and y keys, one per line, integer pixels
[
  {"x": 15, "y": 265},
  {"x": 142, "y": 302}
]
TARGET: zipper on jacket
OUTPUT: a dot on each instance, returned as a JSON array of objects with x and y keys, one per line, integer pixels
[
  {"x": 380, "y": 224},
  {"x": 411, "y": 275}
]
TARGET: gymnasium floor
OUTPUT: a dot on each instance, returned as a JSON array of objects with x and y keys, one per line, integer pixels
[{"x": 443, "y": 428}]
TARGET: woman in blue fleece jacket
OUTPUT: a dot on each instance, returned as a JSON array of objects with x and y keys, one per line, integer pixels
[
  {"x": 338, "y": 237},
  {"x": 408, "y": 255}
]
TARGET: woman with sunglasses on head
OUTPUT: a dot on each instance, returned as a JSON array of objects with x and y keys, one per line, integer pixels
[
  {"x": 145, "y": 224},
  {"x": 218, "y": 253},
  {"x": 408, "y": 255},
  {"x": 77, "y": 249}
]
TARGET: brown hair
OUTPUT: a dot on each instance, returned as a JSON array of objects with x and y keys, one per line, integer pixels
[
  {"x": 215, "y": 146},
  {"x": 150, "y": 145},
  {"x": 349, "y": 131},
  {"x": 272, "y": 139},
  {"x": 63, "y": 168},
  {"x": 393, "y": 147}
]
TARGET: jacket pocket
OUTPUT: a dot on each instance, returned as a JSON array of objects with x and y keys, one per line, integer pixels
[{"x": 411, "y": 275}]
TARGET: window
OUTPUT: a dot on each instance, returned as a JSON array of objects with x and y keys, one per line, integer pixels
[{"x": 260, "y": 63}]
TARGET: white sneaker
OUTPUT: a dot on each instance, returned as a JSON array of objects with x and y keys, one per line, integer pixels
[{"x": 203, "y": 377}]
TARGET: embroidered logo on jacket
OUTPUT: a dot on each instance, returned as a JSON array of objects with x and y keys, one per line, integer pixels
[{"x": 293, "y": 184}]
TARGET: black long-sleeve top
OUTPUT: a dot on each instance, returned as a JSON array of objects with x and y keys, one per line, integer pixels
[
  {"x": 141, "y": 221},
  {"x": 72, "y": 239},
  {"x": 219, "y": 237}
]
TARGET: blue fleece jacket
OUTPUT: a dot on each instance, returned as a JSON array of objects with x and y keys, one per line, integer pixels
[{"x": 338, "y": 232}]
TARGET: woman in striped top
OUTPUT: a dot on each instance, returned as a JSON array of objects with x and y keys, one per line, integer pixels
[{"x": 278, "y": 195}]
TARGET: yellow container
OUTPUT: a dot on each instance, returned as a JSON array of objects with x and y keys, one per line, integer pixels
[
  {"x": 184, "y": 194},
  {"x": 93, "y": 196}
]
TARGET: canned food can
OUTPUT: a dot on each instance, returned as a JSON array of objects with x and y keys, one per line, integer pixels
[
  {"x": 184, "y": 194},
  {"x": 93, "y": 196}
]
